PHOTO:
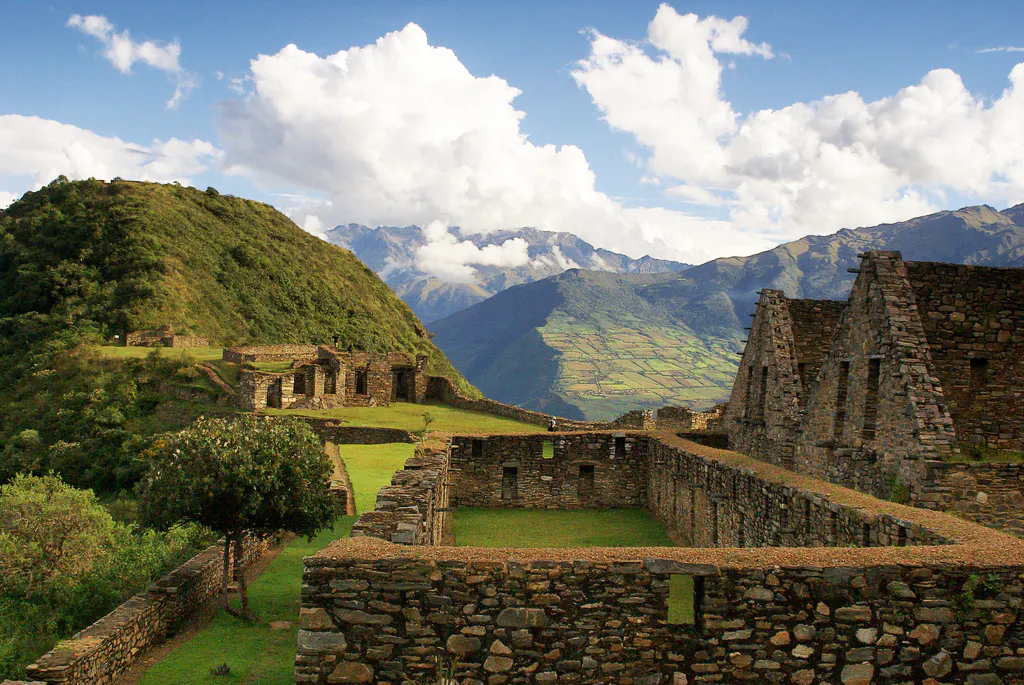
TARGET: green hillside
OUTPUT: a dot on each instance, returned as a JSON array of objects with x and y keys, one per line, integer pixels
[
  {"x": 82, "y": 261},
  {"x": 598, "y": 344}
]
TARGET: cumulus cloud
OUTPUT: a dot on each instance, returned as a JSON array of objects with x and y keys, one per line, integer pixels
[
  {"x": 399, "y": 132},
  {"x": 6, "y": 199},
  {"x": 452, "y": 260},
  {"x": 810, "y": 167},
  {"x": 122, "y": 52},
  {"x": 1005, "y": 48},
  {"x": 34, "y": 151}
]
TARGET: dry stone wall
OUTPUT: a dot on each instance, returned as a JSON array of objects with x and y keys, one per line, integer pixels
[
  {"x": 270, "y": 353},
  {"x": 584, "y": 470},
  {"x": 110, "y": 646}
]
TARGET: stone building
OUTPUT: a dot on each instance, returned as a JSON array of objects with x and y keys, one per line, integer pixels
[
  {"x": 890, "y": 391},
  {"x": 163, "y": 337},
  {"x": 328, "y": 377}
]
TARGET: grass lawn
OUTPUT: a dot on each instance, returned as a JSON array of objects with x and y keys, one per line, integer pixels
[
  {"x": 199, "y": 354},
  {"x": 256, "y": 652},
  {"x": 552, "y": 528},
  {"x": 410, "y": 417}
]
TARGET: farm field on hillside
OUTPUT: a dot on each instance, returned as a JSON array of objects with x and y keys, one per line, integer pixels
[
  {"x": 608, "y": 369},
  {"x": 199, "y": 354},
  {"x": 409, "y": 417},
  {"x": 259, "y": 652},
  {"x": 475, "y": 527}
]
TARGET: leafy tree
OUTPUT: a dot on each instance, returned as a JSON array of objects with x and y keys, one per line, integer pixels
[{"x": 247, "y": 476}]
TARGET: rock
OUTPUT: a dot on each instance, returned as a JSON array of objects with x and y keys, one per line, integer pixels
[
  {"x": 857, "y": 674},
  {"x": 498, "y": 647},
  {"x": 781, "y": 638},
  {"x": 994, "y": 634},
  {"x": 804, "y": 633},
  {"x": 679, "y": 679},
  {"x": 854, "y": 614},
  {"x": 759, "y": 594},
  {"x": 935, "y": 615},
  {"x": 735, "y": 635},
  {"x": 522, "y": 618},
  {"x": 547, "y": 677},
  {"x": 363, "y": 618},
  {"x": 867, "y": 636},
  {"x": 939, "y": 664},
  {"x": 925, "y": 634},
  {"x": 822, "y": 609},
  {"x": 803, "y": 652},
  {"x": 351, "y": 672},
  {"x": 315, "y": 619},
  {"x": 803, "y": 677},
  {"x": 497, "y": 664},
  {"x": 462, "y": 645},
  {"x": 740, "y": 660},
  {"x": 982, "y": 497},
  {"x": 972, "y": 650},
  {"x": 901, "y": 590},
  {"x": 319, "y": 641},
  {"x": 588, "y": 664}
]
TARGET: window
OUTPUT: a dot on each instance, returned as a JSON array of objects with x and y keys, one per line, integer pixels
[
  {"x": 979, "y": 374},
  {"x": 548, "y": 450},
  {"x": 715, "y": 538},
  {"x": 871, "y": 400},
  {"x": 300, "y": 384},
  {"x": 361, "y": 382},
  {"x": 741, "y": 531},
  {"x": 620, "y": 447},
  {"x": 801, "y": 372},
  {"x": 509, "y": 483},
  {"x": 585, "y": 484},
  {"x": 747, "y": 406},
  {"x": 763, "y": 399},
  {"x": 685, "y": 599},
  {"x": 865, "y": 534},
  {"x": 840, "y": 418},
  {"x": 478, "y": 449}
]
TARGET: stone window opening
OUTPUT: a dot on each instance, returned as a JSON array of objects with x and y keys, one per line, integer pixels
[
  {"x": 300, "y": 383},
  {"x": 478, "y": 449},
  {"x": 620, "y": 447},
  {"x": 979, "y": 374},
  {"x": 685, "y": 600},
  {"x": 901, "y": 537},
  {"x": 741, "y": 531},
  {"x": 361, "y": 382},
  {"x": 840, "y": 418},
  {"x": 747, "y": 413},
  {"x": 833, "y": 526},
  {"x": 801, "y": 372},
  {"x": 548, "y": 450},
  {"x": 715, "y": 536},
  {"x": 585, "y": 484},
  {"x": 509, "y": 483},
  {"x": 871, "y": 400},
  {"x": 865, "y": 532}
]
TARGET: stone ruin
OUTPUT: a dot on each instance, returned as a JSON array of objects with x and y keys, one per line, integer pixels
[
  {"x": 785, "y": 579},
  {"x": 890, "y": 391},
  {"x": 324, "y": 377},
  {"x": 163, "y": 337}
]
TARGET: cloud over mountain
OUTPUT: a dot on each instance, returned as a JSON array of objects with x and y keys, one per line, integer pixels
[{"x": 810, "y": 167}]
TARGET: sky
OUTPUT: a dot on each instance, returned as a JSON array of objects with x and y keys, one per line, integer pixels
[{"x": 686, "y": 131}]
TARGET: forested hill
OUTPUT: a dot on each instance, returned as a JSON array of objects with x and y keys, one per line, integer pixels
[{"x": 103, "y": 258}]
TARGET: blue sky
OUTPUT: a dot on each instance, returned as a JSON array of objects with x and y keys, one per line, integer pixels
[{"x": 736, "y": 191}]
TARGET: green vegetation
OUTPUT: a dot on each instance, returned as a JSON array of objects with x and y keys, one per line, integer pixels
[
  {"x": 681, "y": 605},
  {"x": 260, "y": 652},
  {"x": 65, "y": 562},
  {"x": 246, "y": 476},
  {"x": 553, "y": 528},
  {"x": 189, "y": 354},
  {"x": 408, "y": 416},
  {"x": 971, "y": 452}
]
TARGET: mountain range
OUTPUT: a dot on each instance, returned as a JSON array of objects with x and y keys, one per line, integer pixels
[
  {"x": 590, "y": 344},
  {"x": 392, "y": 253}
]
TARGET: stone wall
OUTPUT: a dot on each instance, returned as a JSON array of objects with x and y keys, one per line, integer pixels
[
  {"x": 270, "y": 353},
  {"x": 341, "y": 434},
  {"x": 991, "y": 494},
  {"x": 384, "y": 614},
  {"x": 973, "y": 319},
  {"x": 585, "y": 470},
  {"x": 163, "y": 337},
  {"x": 110, "y": 646}
]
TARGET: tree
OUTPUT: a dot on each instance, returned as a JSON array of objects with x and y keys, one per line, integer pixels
[
  {"x": 50, "y": 533},
  {"x": 249, "y": 475}
]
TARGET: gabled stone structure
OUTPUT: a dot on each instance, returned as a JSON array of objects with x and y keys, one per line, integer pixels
[
  {"x": 331, "y": 378},
  {"x": 886, "y": 391},
  {"x": 163, "y": 337}
]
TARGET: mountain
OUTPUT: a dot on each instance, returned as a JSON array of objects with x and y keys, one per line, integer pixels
[
  {"x": 597, "y": 344},
  {"x": 391, "y": 252}
]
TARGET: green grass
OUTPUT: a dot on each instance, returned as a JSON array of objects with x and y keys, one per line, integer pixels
[
  {"x": 199, "y": 354},
  {"x": 256, "y": 652},
  {"x": 971, "y": 453},
  {"x": 409, "y": 417},
  {"x": 546, "y": 528},
  {"x": 273, "y": 367}
]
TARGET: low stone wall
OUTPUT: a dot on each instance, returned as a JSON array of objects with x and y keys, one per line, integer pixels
[
  {"x": 413, "y": 509},
  {"x": 375, "y": 612},
  {"x": 685, "y": 419},
  {"x": 110, "y": 646},
  {"x": 988, "y": 493},
  {"x": 584, "y": 470},
  {"x": 270, "y": 353},
  {"x": 332, "y": 431}
]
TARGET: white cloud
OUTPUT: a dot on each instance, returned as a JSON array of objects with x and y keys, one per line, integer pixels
[
  {"x": 399, "y": 132},
  {"x": 122, "y": 52},
  {"x": 597, "y": 263},
  {"x": 1006, "y": 48},
  {"x": 6, "y": 199},
  {"x": 35, "y": 151},
  {"x": 554, "y": 259},
  {"x": 809, "y": 167},
  {"x": 452, "y": 260}
]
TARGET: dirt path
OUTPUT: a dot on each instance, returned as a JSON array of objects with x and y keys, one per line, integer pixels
[{"x": 197, "y": 623}]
